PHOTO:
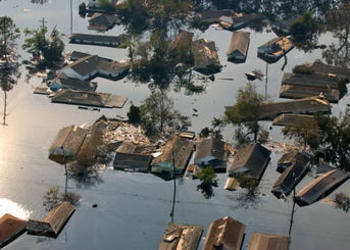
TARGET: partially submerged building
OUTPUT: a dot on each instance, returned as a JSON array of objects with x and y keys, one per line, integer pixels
[
  {"x": 238, "y": 49},
  {"x": 132, "y": 162},
  {"x": 206, "y": 60},
  {"x": 174, "y": 156},
  {"x": 315, "y": 79},
  {"x": 238, "y": 21},
  {"x": 264, "y": 241},
  {"x": 62, "y": 81},
  {"x": 181, "y": 237},
  {"x": 105, "y": 100},
  {"x": 102, "y": 21},
  {"x": 291, "y": 176},
  {"x": 294, "y": 120},
  {"x": 251, "y": 161},
  {"x": 286, "y": 160},
  {"x": 53, "y": 222},
  {"x": 10, "y": 228},
  {"x": 321, "y": 187},
  {"x": 100, "y": 40},
  {"x": 307, "y": 105},
  {"x": 225, "y": 233},
  {"x": 86, "y": 68},
  {"x": 274, "y": 49},
  {"x": 211, "y": 152},
  {"x": 67, "y": 144},
  {"x": 207, "y": 17},
  {"x": 180, "y": 47}
]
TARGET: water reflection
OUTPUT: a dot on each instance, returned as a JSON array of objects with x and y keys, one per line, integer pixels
[{"x": 13, "y": 208}]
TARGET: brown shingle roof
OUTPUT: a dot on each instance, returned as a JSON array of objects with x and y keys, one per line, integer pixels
[
  {"x": 210, "y": 147},
  {"x": 239, "y": 43},
  {"x": 263, "y": 241}
]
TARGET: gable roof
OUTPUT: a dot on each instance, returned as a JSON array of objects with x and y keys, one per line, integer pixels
[
  {"x": 263, "y": 241},
  {"x": 206, "y": 60},
  {"x": 292, "y": 175},
  {"x": 179, "y": 148},
  {"x": 226, "y": 232},
  {"x": 10, "y": 228},
  {"x": 239, "y": 42},
  {"x": 74, "y": 84},
  {"x": 181, "y": 237},
  {"x": 254, "y": 158},
  {"x": 321, "y": 187},
  {"x": 132, "y": 161},
  {"x": 210, "y": 147}
]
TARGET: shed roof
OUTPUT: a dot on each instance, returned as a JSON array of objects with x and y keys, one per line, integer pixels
[
  {"x": 254, "y": 158},
  {"x": 226, "y": 232},
  {"x": 239, "y": 42},
  {"x": 264, "y": 241},
  {"x": 211, "y": 147},
  {"x": 321, "y": 187},
  {"x": 181, "y": 237}
]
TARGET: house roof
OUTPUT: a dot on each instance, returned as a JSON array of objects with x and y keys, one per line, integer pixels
[
  {"x": 74, "y": 84},
  {"x": 179, "y": 148},
  {"x": 239, "y": 42},
  {"x": 263, "y": 241},
  {"x": 98, "y": 39},
  {"x": 206, "y": 60},
  {"x": 75, "y": 55},
  {"x": 254, "y": 158},
  {"x": 225, "y": 232},
  {"x": 212, "y": 16},
  {"x": 321, "y": 187},
  {"x": 293, "y": 120},
  {"x": 326, "y": 69},
  {"x": 10, "y": 228},
  {"x": 103, "y": 19},
  {"x": 292, "y": 175},
  {"x": 132, "y": 161},
  {"x": 182, "y": 40},
  {"x": 310, "y": 80},
  {"x": 307, "y": 105},
  {"x": 286, "y": 160},
  {"x": 67, "y": 144},
  {"x": 211, "y": 147},
  {"x": 181, "y": 237}
]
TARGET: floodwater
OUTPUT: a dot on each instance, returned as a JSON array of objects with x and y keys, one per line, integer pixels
[{"x": 133, "y": 209}]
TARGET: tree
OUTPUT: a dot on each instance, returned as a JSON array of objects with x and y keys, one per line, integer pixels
[
  {"x": 304, "y": 31},
  {"x": 8, "y": 58},
  {"x": 245, "y": 113},
  {"x": 338, "y": 21},
  {"x": 134, "y": 114},
  {"x": 46, "y": 48},
  {"x": 208, "y": 180},
  {"x": 158, "y": 115}
]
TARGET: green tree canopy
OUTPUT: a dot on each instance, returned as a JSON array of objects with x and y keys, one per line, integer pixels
[
  {"x": 245, "y": 112},
  {"x": 304, "y": 31},
  {"x": 208, "y": 181}
]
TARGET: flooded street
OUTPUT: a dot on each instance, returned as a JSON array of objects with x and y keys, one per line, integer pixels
[{"x": 133, "y": 208}]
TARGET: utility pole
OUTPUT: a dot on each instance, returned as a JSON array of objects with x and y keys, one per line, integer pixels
[
  {"x": 71, "y": 17},
  {"x": 172, "y": 212},
  {"x": 266, "y": 79}
]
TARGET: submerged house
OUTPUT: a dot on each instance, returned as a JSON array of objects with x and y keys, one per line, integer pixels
[
  {"x": 294, "y": 120},
  {"x": 238, "y": 21},
  {"x": 102, "y": 21},
  {"x": 175, "y": 156},
  {"x": 250, "y": 160},
  {"x": 274, "y": 49},
  {"x": 132, "y": 162},
  {"x": 286, "y": 160},
  {"x": 181, "y": 237},
  {"x": 92, "y": 66},
  {"x": 10, "y": 228},
  {"x": 67, "y": 144},
  {"x": 53, "y": 222},
  {"x": 309, "y": 80},
  {"x": 206, "y": 60},
  {"x": 307, "y": 105},
  {"x": 207, "y": 17},
  {"x": 180, "y": 47},
  {"x": 264, "y": 241},
  {"x": 238, "y": 49},
  {"x": 100, "y": 40},
  {"x": 85, "y": 98},
  {"x": 64, "y": 82},
  {"x": 225, "y": 233},
  {"x": 321, "y": 187},
  {"x": 292, "y": 175},
  {"x": 211, "y": 152}
]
